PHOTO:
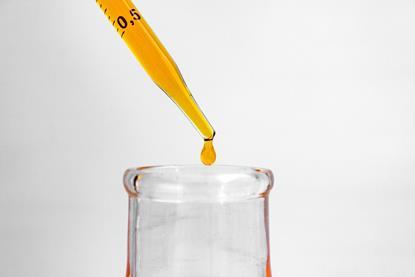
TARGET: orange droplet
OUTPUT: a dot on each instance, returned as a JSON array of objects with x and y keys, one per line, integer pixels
[{"x": 208, "y": 155}]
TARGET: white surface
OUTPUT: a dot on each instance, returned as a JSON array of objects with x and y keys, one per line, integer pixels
[{"x": 322, "y": 92}]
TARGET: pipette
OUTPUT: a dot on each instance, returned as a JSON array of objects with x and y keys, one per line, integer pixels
[{"x": 158, "y": 64}]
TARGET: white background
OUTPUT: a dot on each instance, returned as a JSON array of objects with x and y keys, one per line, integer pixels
[{"x": 321, "y": 92}]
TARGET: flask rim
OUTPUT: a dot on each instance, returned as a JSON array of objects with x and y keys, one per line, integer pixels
[{"x": 198, "y": 183}]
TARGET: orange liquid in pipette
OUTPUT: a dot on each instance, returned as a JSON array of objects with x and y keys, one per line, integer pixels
[{"x": 159, "y": 65}]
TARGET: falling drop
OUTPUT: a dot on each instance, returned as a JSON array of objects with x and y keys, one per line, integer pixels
[{"x": 208, "y": 155}]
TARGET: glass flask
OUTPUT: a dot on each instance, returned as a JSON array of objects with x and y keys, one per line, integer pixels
[{"x": 198, "y": 221}]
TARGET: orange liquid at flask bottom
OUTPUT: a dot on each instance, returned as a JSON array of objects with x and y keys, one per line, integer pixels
[{"x": 268, "y": 269}]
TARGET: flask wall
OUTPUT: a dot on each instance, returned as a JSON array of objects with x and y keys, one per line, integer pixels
[{"x": 198, "y": 221}]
